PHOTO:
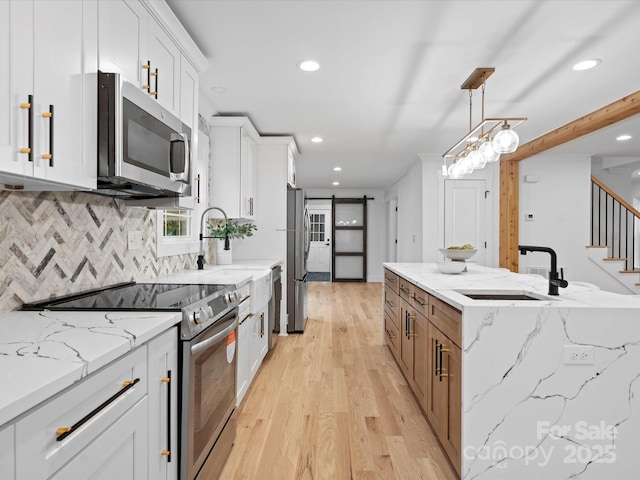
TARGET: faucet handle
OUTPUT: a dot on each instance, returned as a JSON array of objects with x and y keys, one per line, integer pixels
[{"x": 561, "y": 273}]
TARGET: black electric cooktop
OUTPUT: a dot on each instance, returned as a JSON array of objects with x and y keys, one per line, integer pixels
[{"x": 131, "y": 296}]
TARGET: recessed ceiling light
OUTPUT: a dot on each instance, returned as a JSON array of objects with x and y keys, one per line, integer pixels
[
  {"x": 308, "y": 65},
  {"x": 316, "y": 139},
  {"x": 587, "y": 64},
  {"x": 336, "y": 183},
  {"x": 218, "y": 89},
  {"x": 622, "y": 138},
  {"x": 337, "y": 169}
]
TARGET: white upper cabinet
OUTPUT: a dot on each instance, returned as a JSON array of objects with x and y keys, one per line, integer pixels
[
  {"x": 233, "y": 167},
  {"x": 291, "y": 167},
  {"x": 164, "y": 63},
  {"x": 144, "y": 42},
  {"x": 48, "y": 94},
  {"x": 189, "y": 84},
  {"x": 124, "y": 30}
]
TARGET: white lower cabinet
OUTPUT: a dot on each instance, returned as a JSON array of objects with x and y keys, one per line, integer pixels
[
  {"x": 96, "y": 429},
  {"x": 259, "y": 339},
  {"x": 244, "y": 345},
  {"x": 163, "y": 406},
  {"x": 7, "y": 453},
  {"x": 116, "y": 453}
]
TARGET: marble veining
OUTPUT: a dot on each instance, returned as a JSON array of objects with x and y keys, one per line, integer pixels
[
  {"x": 42, "y": 353},
  {"x": 526, "y": 412}
]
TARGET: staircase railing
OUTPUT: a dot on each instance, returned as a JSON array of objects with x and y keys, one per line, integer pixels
[{"x": 614, "y": 223}]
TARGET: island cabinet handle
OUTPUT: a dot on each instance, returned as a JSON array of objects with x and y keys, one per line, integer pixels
[
  {"x": 405, "y": 290},
  {"x": 442, "y": 349},
  {"x": 406, "y": 323},
  {"x": 391, "y": 336},
  {"x": 167, "y": 452},
  {"x": 390, "y": 303},
  {"x": 419, "y": 300},
  {"x": 410, "y": 316},
  {"x": 435, "y": 357},
  {"x": 64, "y": 432}
]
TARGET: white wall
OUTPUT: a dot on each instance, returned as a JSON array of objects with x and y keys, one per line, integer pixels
[
  {"x": 408, "y": 191},
  {"x": 560, "y": 203},
  {"x": 375, "y": 224}
]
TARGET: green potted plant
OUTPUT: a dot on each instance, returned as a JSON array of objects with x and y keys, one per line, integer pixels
[{"x": 232, "y": 229}]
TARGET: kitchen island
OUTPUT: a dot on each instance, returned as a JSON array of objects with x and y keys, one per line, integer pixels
[{"x": 539, "y": 388}]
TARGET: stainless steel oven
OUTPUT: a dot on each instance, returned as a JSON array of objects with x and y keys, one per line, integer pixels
[
  {"x": 207, "y": 355},
  {"x": 208, "y": 399}
]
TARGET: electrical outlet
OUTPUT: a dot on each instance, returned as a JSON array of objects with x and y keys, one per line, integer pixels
[
  {"x": 578, "y": 355},
  {"x": 134, "y": 240}
]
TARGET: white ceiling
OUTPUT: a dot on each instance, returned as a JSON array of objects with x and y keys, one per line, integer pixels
[{"x": 389, "y": 83}]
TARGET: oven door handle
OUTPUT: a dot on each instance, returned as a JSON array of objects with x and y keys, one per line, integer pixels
[{"x": 203, "y": 345}]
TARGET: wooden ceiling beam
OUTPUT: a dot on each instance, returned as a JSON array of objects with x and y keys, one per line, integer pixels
[
  {"x": 615, "y": 112},
  {"x": 608, "y": 115}
]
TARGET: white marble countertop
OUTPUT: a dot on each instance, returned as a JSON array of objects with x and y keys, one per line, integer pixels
[
  {"x": 42, "y": 353},
  {"x": 237, "y": 273},
  {"x": 447, "y": 287}
]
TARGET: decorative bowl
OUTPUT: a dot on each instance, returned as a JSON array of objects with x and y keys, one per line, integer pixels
[
  {"x": 458, "y": 254},
  {"x": 451, "y": 267}
]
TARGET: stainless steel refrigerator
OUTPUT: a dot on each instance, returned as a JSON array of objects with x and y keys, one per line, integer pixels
[{"x": 298, "y": 242}]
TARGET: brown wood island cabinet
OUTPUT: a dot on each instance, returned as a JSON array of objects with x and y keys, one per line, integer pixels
[{"x": 424, "y": 335}]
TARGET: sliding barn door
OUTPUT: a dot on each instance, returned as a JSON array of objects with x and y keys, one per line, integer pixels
[{"x": 349, "y": 232}]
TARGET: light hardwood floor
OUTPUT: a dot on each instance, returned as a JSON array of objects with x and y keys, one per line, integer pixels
[{"x": 332, "y": 404}]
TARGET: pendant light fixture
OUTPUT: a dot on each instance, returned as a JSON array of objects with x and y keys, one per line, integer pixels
[{"x": 485, "y": 142}]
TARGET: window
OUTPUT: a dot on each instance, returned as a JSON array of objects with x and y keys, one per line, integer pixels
[
  {"x": 176, "y": 223},
  {"x": 317, "y": 227}
]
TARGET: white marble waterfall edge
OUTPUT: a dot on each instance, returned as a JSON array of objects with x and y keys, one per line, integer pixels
[{"x": 527, "y": 414}]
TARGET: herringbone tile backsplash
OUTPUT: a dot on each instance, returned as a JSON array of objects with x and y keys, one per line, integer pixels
[{"x": 55, "y": 243}]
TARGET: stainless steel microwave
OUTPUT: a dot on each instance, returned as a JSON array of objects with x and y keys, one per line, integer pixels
[{"x": 143, "y": 149}]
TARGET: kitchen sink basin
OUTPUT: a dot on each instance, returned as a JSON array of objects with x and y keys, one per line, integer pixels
[{"x": 502, "y": 295}]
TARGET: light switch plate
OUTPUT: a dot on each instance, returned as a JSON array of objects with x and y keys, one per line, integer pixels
[{"x": 134, "y": 240}]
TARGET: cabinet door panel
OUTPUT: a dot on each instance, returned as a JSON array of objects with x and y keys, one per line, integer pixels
[
  {"x": 119, "y": 453},
  {"x": 163, "y": 403},
  {"x": 123, "y": 39},
  {"x": 60, "y": 82},
  {"x": 437, "y": 388},
  {"x": 421, "y": 358},
  {"x": 165, "y": 57},
  {"x": 16, "y": 84},
  {"x": 188, "y": 94},
  {"x": 247, "y": 169},
  {"x": 453, "y": 440},
  {"x": 7, "y": 453},
  {"x": 406, "y": 341}
]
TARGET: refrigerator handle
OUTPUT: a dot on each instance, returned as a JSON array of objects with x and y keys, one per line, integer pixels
[{"x": 307, "y": 234}]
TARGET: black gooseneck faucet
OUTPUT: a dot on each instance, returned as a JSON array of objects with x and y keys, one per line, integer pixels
[
  {"x": 202, "y": 237},
  {"x": 555, "y": 281}
]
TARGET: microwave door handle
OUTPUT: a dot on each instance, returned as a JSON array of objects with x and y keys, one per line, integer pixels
[{"x": 185, "y": 173}]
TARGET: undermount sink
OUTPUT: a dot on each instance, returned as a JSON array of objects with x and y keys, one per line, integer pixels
[{"x": 502, "y": 295}]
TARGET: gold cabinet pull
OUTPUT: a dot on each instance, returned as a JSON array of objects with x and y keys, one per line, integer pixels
[
  {"x": 29, "y": 148},
  {"x": 47, "y": 114},
  {"x": 165, "y": 379},
  {"x": 64, "y": 432},
  {"x": 147, "y": 67},
  {"x": 166, "y": 453},
  {"x": 47, "y": 156}
]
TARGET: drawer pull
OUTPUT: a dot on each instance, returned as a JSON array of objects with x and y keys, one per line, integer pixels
[
  {"x": 405, "y": 290},
  {"x": 389, "y": 334},
  {"x": 64, "y": 432},
  {"x": 247, "y": 296},
  {"x": 248, "y": 315},
  {"x": 391, "y": 304},
  {"x": 418, "y": 300}
]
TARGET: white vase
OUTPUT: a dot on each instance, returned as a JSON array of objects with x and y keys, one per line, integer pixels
[{"x": 223, "y": 257}]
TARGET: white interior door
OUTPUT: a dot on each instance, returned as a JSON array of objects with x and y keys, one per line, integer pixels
[
  {"x": 465, "y": 218},
  {"x": 320, "y": 245}
]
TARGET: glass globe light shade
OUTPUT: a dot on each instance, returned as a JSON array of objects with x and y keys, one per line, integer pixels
[
  {"x": 455, "y": 171},
  {"x": 476, "y": 160},
  {"x": 488, "y": 152},
  {"x": 465, "y": 165},
  {"x": 506, "y": 140}
]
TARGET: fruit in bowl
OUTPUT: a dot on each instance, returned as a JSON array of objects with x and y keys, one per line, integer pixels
[{"x": 462, "y": 253}]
